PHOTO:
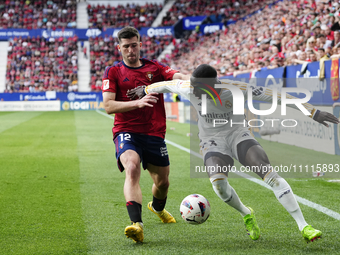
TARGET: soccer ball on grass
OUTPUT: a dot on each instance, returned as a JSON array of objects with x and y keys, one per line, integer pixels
[{"x": 195, "y": 209}]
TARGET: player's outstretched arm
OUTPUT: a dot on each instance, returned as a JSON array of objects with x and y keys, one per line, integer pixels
[
  {"x": 174, "y": 86},
  {"x": 322, "y": 116},
  {"x": 112, "y": 106}
]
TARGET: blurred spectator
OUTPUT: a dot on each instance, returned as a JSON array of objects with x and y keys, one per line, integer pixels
[
  {"x": 322, "y": 54},
  {"x": 38, "y": 14},
  {"x": 53, "y": 66},
  {"x": 215, "y": 10},
  {"x": 104, "y": 17},
  {"x": 288, "y": 33}
]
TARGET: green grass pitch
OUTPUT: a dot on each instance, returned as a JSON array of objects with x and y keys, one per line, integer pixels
[{"x": 61, "y": 193}]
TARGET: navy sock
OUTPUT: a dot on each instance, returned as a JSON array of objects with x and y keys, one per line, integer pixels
[
  {"x": 158, "y": 204},
  {"x": 134, "y": 210}
]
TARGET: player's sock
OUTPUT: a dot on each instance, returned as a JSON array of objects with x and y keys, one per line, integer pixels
[
  {"x": 134, "y": 211},
  {"x": 224, "y": 191},
  {"x": 158, "y": 204},
  {"x": 285, "y": 195}
]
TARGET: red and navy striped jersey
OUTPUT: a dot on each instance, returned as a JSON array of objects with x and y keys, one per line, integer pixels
[{"x": 120, "y": 78}]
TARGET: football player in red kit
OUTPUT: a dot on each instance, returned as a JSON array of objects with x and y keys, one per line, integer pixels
[{"x": 139, "y": 128}]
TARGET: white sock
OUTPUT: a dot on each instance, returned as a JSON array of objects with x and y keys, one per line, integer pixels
[
  {"x": 225, "y": 192},
  {"x": 285, "y": 195}
]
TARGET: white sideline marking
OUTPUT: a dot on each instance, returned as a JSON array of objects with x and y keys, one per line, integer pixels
[
  {"x": 301, "y": 200},
  {"x": 105, "y": 114}
]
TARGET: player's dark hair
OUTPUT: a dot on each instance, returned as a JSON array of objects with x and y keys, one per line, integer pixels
[
  {"x": 204, "y": 71},
  {"x": 128, "y": 33},
  {"x": 204, "y": 74}
]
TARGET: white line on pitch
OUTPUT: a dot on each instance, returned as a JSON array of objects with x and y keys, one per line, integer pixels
[{"x": 302, "y": 200}]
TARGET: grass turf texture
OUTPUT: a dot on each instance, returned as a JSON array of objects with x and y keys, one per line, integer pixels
[{"x": 61, "y": 193}]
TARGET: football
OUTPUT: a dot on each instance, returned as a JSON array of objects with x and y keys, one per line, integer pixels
[{"x": 195, "y": 209}]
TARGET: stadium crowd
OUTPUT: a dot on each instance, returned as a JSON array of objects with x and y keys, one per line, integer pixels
[
  {"x": 137, "y": 16},
  {"x": 104, "y": 52},
  {"x": 289, "y": 33},
  {"x": 51, "y": 14},
  {"x": 216, "y": 10},
  {"x": 38, "y": 64}
]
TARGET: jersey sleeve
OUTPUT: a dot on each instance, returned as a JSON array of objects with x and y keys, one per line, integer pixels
[
  {"x": 109, "y": 81},
  {"x": 180, "y": 87},
  {"x": 166, "y": 71}
]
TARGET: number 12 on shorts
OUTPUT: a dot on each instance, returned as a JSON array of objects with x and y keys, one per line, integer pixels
[{"x": 125, "y": 136}]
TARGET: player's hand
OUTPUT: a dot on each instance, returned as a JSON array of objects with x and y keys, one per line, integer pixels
[
  {"x": 326, "y": 116},
  {"x": 149, "y": 100},
  {"x": 137, "y": 93}
]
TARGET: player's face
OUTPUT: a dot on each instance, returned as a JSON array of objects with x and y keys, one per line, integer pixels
[
  {"x": 130, "y": 49},
  {"x": 198, "y": 92}
]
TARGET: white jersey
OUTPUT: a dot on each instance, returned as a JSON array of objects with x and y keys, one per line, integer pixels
[{"x": 216, "y": 110}]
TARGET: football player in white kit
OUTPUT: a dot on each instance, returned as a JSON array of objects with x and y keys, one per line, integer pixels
[{"x": 221, "y": 143}]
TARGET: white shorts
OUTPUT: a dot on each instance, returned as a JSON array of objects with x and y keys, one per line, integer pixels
[{"x": 225, "y": 142}]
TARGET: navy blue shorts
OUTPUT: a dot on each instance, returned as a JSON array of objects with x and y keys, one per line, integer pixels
[{"x": 151, "y": 149}]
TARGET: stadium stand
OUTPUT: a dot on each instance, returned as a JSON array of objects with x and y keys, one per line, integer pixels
[
  {"x": 38, "y": 14},
  {"x": 288, "y": 33},
  {"x": 216, "y": 10},
  {"x": 135, "y": 15},
  {"x": 82, "y": 17},
  {"x": 37, "y": 64},
  {"x": 3, "y": 66},
  {"x": 264, "y": 41}
]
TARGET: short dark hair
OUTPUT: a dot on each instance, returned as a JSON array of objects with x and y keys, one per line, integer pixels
[
  {"x": 205, "y": 71},
  {"x": 128, "y": 33},
  {"x": 321, "y": 49},
  {"x": 204, "y": 74}
]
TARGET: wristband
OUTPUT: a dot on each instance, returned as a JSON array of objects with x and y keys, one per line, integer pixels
[{"x": 316, "y": 114}]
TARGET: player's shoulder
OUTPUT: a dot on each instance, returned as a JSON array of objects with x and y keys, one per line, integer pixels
[
  {"x": 110, "y": 70},
  {"x": 241, "y": 85}
]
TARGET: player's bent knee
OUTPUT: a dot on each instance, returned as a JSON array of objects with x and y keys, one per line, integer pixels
[
  {"x": 221, "y": 186},
  {"x": 132, "y": 171},
  {"x": 163, "y": 184},
  {"x": 275, "y": 181}
]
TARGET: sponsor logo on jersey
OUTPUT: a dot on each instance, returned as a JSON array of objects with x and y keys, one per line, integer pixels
[
  {"x": 126, "y": 79},
  {"x": 149, "y": 75},
  {"x": 106, "y": 84}
]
